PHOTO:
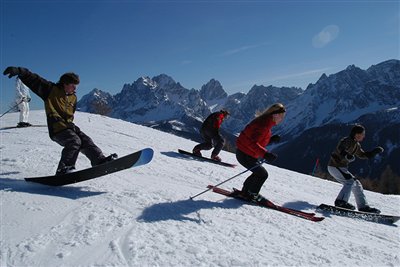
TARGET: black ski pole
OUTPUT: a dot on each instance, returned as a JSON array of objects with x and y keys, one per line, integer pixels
[
  {"x": 10, "y": 109},
  {"x": 208, "y": 189}
]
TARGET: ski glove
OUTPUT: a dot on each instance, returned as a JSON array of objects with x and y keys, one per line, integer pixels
[
  {"x": 270, "y": 157},
  {"x": 350, "y": 158},
  {"x": 377, "y": 150},
  {"x": 275, "y": 139},
  {"x": 14, "y": 71}
]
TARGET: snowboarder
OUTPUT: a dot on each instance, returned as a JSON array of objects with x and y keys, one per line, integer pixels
[
  {"x": 60, "y": 105},
  {"x": 251, "y": 145},
  {"x": 211, "y": 135},
  {"x": 22, "y": 98},
  {"x": 345, "y": 152}
]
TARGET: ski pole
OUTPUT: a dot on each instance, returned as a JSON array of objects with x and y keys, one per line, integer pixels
[
  {"x": 208, "y": 189},
  {"x": 10, "y": 109}
]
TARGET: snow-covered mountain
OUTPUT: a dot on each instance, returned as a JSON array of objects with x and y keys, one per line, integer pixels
[
  {"x": 162, "y": 103},
  {"x": 324, "y": 113},
  {"x": 382, "y": 128},
  {"x": 257, "y": 99},
  {"x": 344, "y": 97},
  {"x": 144, "y": 217},
  {"x": 340, "y": 98}
]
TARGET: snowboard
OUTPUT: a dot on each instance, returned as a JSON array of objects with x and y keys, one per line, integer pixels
[
  {"x": 235, "y": 193},
  {"x": 135, "y": 159},
  {"x": 200, "y": 158},
  {"x": 373, "y": 217}
]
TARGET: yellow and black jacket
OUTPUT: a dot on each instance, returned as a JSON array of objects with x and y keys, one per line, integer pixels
[
  {"x": 59, "y": 106},
  {"x": 347, "y": 146}
]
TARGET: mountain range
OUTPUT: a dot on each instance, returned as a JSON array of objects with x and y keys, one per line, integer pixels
[{"x": 316, "y": 118}]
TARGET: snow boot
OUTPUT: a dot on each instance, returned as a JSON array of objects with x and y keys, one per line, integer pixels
[
  {"x": 369, "y": 209},
  {"x": 343, "y": 204},
  {"x": 197, "y": 152},
  {"x": 108, "y": 158},
  {"x": 65, "y": 170},
  {"x": 216, "y": 158},
  {"x": 21, "y": 125}
]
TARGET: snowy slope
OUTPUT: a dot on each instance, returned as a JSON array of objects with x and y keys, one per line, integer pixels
[{"x": 143, "y": 217}]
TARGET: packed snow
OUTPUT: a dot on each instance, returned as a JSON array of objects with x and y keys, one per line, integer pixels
[{"x": 143, "y": 216}]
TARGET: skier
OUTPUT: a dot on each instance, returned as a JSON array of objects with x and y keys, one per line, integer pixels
[
  {"x": 345, "y": 152},
  {"x": 60, "y": 105},
  {"x": 22, "y": 98},
  {"x": 211, "y": 135},
  {"x": 251, "y": 145}
]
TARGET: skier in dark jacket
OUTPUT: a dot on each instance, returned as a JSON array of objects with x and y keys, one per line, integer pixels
[
  {"x": 211, "y": 135},
  {"x": 251, "y": 145},
  {"x": 60, "y": 105},
  {"x": 345, "y": 152}
]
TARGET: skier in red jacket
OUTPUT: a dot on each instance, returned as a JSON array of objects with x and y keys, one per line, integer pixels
[
  {"x": 211, "y": 135},
  {"x": 251, "y": 145}
]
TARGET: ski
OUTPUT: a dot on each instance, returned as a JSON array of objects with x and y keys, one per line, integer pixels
[
  {"x": 135, "y": 159},
  {"x": 372, "y": 217},
  {"x": 267, "y": 204},
  {"x": 206, "y": 159}
]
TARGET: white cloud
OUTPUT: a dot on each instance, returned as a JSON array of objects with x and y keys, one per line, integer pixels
[
  {"x": 241, "y": 49},
  {"x": 324, "y": 37},
  {"x": 299, "y": 75}
]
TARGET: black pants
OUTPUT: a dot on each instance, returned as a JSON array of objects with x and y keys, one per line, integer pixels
[
  {"x": 255, "y": 181},
  {"x": 211, "y": 139},
  {"x": 75, "y": 141}
]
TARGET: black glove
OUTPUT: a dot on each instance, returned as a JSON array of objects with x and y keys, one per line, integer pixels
[
  {"x": 270, "y": 157},
  {"x": 275, "y": 139},
  {"x": 350, "y": 158},
  {"x": 378, "y": 150},
  {"x": 374, "y": 152},
  {"x": 11, "y": 71}
]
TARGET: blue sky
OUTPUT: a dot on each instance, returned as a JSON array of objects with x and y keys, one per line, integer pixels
[{"x": 240, "y": 43}]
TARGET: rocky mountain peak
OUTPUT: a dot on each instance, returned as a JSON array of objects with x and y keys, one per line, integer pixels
[{"x": 212, "y": 90}]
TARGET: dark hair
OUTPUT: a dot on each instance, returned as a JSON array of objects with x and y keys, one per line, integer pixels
[
  {"x": 357, "y": 129},
  {"x": 225, "y": 112},
  {"x": 69, "y": 78}
]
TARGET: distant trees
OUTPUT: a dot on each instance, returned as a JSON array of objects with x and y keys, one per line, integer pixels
[{"x": 100, "y": 107}]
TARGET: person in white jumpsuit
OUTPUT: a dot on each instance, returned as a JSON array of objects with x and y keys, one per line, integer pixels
[{"x": 22, "y": 98}]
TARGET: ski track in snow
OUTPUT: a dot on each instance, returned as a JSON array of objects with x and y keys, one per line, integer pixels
[{"x": 144, "y": 217}]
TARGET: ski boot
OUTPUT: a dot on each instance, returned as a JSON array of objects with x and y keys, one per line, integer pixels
[{"x": 250, "y": 196}]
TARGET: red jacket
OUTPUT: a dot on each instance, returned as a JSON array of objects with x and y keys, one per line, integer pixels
[
  {"x": 255, "y": 137},
  {"x": 213, "y": 121}
]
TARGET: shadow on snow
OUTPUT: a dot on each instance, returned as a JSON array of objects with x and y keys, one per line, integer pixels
[
  {"x": 179, "y": 210},
  {"x": 18, "y": 185}
]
